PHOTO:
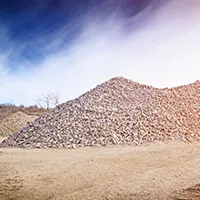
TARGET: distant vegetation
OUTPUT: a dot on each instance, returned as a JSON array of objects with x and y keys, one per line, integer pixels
[{"x": 8, "y": 109}]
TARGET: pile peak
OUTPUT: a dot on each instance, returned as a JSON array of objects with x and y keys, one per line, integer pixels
[
  {"x": 122, "y": 80},
  {"x": 119, "y": 79}
]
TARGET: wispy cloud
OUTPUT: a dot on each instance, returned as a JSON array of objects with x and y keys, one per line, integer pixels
[{"x": 162, "y": 50}]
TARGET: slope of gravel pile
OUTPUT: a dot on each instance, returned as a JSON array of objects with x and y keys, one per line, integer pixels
[
  {"x": 14, "y": 122},
  {"x": 118, "y": 111}
]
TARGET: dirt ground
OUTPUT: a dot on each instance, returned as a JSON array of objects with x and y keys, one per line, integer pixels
[{"x": 155, "y": 171}]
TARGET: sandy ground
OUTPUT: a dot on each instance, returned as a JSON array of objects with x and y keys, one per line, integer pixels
[{"x": 156, "y": 171}]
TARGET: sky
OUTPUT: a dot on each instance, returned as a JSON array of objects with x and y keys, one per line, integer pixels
[{"x": 69, "y": 46}]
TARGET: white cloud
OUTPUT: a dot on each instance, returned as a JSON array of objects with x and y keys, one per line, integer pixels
[{"x": 163, "y": 52}]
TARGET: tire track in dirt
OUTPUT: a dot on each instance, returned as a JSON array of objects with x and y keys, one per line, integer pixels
[
  {"x": 191, "y": 193},
  {"x": 10, "y": 183}
]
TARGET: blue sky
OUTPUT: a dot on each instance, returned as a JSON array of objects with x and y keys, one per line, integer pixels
[
  {"x": 31, "y": 25},
  {"x": 69, "y": 46},
  {"x": 28, "y": 22}
]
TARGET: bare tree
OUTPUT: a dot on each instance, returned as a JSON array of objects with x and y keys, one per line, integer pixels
[
  {"x": 48, "y": 100},
  {"x": 54, "y": 99}
]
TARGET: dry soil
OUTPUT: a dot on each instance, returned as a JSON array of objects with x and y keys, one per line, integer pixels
[{"x": 155, "y": 171}]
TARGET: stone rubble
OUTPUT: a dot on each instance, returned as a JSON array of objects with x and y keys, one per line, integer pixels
[{"x": 118, "y": 111}]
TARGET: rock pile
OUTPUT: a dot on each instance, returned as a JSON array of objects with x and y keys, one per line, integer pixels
[
  {"x": 118, "y": 111},
  {"x": 14, "y": 122}
]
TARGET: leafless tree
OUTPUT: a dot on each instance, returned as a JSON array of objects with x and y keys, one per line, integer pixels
[
  {"x": 54, "y": 99},
  {"x": 48, "y": 100}
]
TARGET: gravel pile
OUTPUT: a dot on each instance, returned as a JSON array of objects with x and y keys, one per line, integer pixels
[
  {"x": 118, "y": 111},
  {"x": 14, "y": 122}
]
